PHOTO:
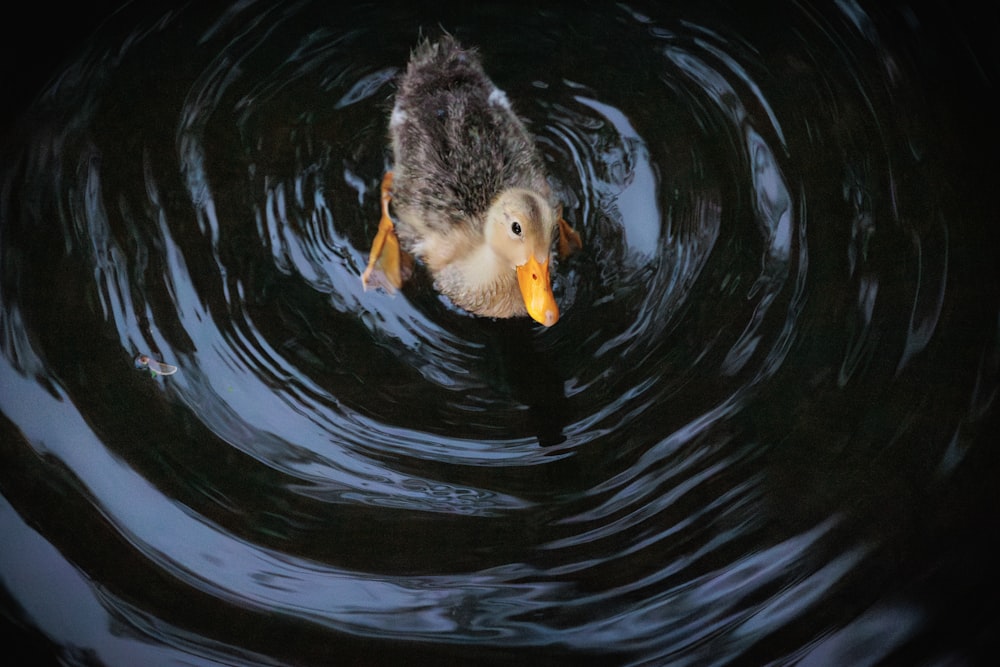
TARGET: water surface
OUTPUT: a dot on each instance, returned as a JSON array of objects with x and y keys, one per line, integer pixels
[{"x": 760, "y": 432}]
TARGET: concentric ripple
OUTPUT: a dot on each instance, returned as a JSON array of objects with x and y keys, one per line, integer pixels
[{"x": 717, "y": 455}]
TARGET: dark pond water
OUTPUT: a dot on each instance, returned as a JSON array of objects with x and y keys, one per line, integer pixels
[{"x": 761, "y": 433}]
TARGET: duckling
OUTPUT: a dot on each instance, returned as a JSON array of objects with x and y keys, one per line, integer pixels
[{"x": 469, "y": 192}]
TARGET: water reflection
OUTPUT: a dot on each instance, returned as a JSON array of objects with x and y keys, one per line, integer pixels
[{"x": 755, "y": 434}]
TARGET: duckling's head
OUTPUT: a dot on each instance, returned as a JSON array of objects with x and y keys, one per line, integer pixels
[{"x": 520, "y": 228}]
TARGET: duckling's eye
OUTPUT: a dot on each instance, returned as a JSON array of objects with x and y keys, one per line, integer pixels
[{"x": 515, "y": 227}]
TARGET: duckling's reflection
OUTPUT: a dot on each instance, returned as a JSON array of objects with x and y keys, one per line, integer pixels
[{"x": 520, "y": 365}]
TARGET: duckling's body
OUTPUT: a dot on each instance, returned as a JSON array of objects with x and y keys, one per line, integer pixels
[{"x": 469, "y": 190}]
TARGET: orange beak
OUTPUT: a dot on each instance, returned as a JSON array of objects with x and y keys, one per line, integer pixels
[{"x": 536, "y": 289}]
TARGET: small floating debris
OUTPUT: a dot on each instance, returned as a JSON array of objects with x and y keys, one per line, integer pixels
[{"x": 155, "y": 367}]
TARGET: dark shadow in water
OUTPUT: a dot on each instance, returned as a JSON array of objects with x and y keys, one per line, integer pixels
[{"x": 523, "y": 368}]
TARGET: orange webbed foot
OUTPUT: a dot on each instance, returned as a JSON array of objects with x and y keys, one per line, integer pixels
[
  {"x": 388, "y": 266},
  {"x": 569, "y": 240}
]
